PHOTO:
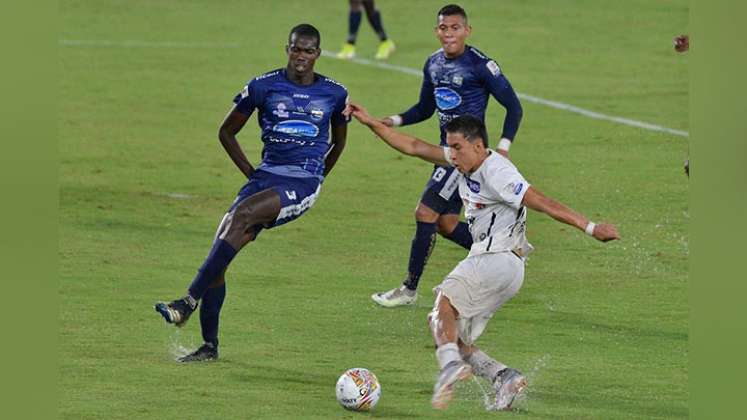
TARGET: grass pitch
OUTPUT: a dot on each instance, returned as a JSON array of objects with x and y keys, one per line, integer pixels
[{"x": 601, "y": 330}]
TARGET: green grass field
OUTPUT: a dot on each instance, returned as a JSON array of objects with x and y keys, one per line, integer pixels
[{"x": 600, "y": 329}]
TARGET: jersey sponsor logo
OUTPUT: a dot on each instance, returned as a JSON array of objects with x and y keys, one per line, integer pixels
[
  {"x": 518, "y": 187},
  {"x": 296, "y": 128},
  {"x": 280, "y": 110},
  {"x": 473, "y": 186},
  {"x": 493, "y": 67},
  {"x": 446, "y": 98}
]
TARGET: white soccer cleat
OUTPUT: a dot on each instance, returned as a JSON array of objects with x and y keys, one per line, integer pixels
[
  {"x": 455, "y": 371},
  {"x": 508, "y": 385},
  {"x": 398, "y": 296}
]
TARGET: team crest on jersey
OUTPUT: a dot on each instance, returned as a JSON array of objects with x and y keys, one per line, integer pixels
[
  {"x": 281, "y": 110},
  {"x": 493, "y": 67},
  {"x": 317, "y": 114},
  {"x": 446, "y": 98},
  {"x": 457, "y": 80},
  {"x": 473, "y": 186},
  {"x": 296, "y": 128}
]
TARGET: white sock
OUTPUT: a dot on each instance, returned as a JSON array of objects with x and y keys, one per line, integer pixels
[
  {"x": 484, "y": 365},
  {"x": 447, "y": 353}
]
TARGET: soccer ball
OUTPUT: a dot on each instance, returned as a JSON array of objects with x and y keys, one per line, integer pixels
[{"x": 358, "y": 389}]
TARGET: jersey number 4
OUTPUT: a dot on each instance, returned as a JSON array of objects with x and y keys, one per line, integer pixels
[{"x": 291, "y": 195}]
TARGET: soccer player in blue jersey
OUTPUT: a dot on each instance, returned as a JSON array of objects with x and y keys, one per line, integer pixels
[
  {"x": 297, "y": 109},
  {"x": 457, "y": 80}
]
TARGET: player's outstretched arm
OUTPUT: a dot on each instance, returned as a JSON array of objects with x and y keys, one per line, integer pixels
[
  {"x": 404, "y": 143},
  {"x": 535, "y": 200},
  {"x": 232, "y": 124}
]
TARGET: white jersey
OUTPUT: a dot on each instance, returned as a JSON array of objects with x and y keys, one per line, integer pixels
[{"x": 492, "y": 197}]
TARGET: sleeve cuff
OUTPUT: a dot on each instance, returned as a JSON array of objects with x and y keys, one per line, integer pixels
[{"x": 504, "y": 144}]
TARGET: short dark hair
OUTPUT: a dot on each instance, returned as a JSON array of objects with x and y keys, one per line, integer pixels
[
  {"x": 305, "y": 29},
  {"x": 452, "y": 10},
  {"x": 471, "y": 128}
]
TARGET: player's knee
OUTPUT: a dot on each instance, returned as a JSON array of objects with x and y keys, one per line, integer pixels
[
  {"x": 356, "y": 5},
  {"x": 425, "y": 215}
]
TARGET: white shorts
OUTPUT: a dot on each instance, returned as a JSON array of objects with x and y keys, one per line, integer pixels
[{"x": 478, "y": 286}]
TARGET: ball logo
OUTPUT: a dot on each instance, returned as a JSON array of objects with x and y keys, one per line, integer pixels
[
  {"x": 446, "y": 98},
  {"x": 296, "y": 128}
]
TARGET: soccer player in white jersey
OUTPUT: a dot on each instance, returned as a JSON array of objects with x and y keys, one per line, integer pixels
[{"x": 495, "y": 198}]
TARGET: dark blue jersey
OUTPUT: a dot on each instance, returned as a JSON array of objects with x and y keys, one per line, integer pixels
[
  {"x": 295, "y": 120},
  {"x": 461, "y": 86}
]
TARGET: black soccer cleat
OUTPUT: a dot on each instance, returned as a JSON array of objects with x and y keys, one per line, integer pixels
[
  {"x": 207, "y": 352},
  {"x": 177, "y": 312}
]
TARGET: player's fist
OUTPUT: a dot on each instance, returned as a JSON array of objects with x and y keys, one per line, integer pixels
[
  {"x": 681, "y": 43},
  {"x": 605, "y": 232}
]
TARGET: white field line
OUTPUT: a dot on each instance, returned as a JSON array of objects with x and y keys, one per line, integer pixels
[
  {"x": 382, "y": 65},
  {"x": 534, "y": 99},
  {"x": 145, "y": 44}
]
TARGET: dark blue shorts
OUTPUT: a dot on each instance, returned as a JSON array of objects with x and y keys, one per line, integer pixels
[
  {"x": 296, "y": 194},
  {"x": 442, "y": 191}
]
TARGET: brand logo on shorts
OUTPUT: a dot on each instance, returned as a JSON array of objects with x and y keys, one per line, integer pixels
[
  {"x": 297, "y": 128},
  {"x": 446, "y": 98},
  {"x": 474, "y": 186}
]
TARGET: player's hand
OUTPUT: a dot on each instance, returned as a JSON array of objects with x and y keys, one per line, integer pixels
[
  {"x": 361, "y": 114},
  {"x": 387, "y": 122},
  {"x": 503, "y": 152},
  {"x": 681, "y": 43},
  {"x": 605, "y": 232}
]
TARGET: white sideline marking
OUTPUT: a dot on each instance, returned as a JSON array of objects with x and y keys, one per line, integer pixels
[
  {"x": 382, "y": 65},
  {"x": 145, "y": 44},
  {"x": 530, "y": 98}
]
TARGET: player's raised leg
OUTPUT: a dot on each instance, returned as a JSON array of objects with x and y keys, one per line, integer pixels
[
  {"x": 255, "y": 210},
  {"x": 443, "y": 323}
]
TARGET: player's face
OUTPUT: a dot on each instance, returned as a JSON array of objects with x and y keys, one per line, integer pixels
[
  {"x": 465, "y": 155},
  {"x": 302, "y": 53},
  {"x": 452, "y": 32}
]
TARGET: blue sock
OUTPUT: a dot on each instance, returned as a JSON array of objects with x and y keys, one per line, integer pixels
[
  {"x": 354, "y": 22},
  {"x": 420, "y": 250},
  {"x": 217, "y": 260},
  {"x": 212, "y": 302},
  {"x": 375, "y": 21},
  {"x": 461, "y": 236}
]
